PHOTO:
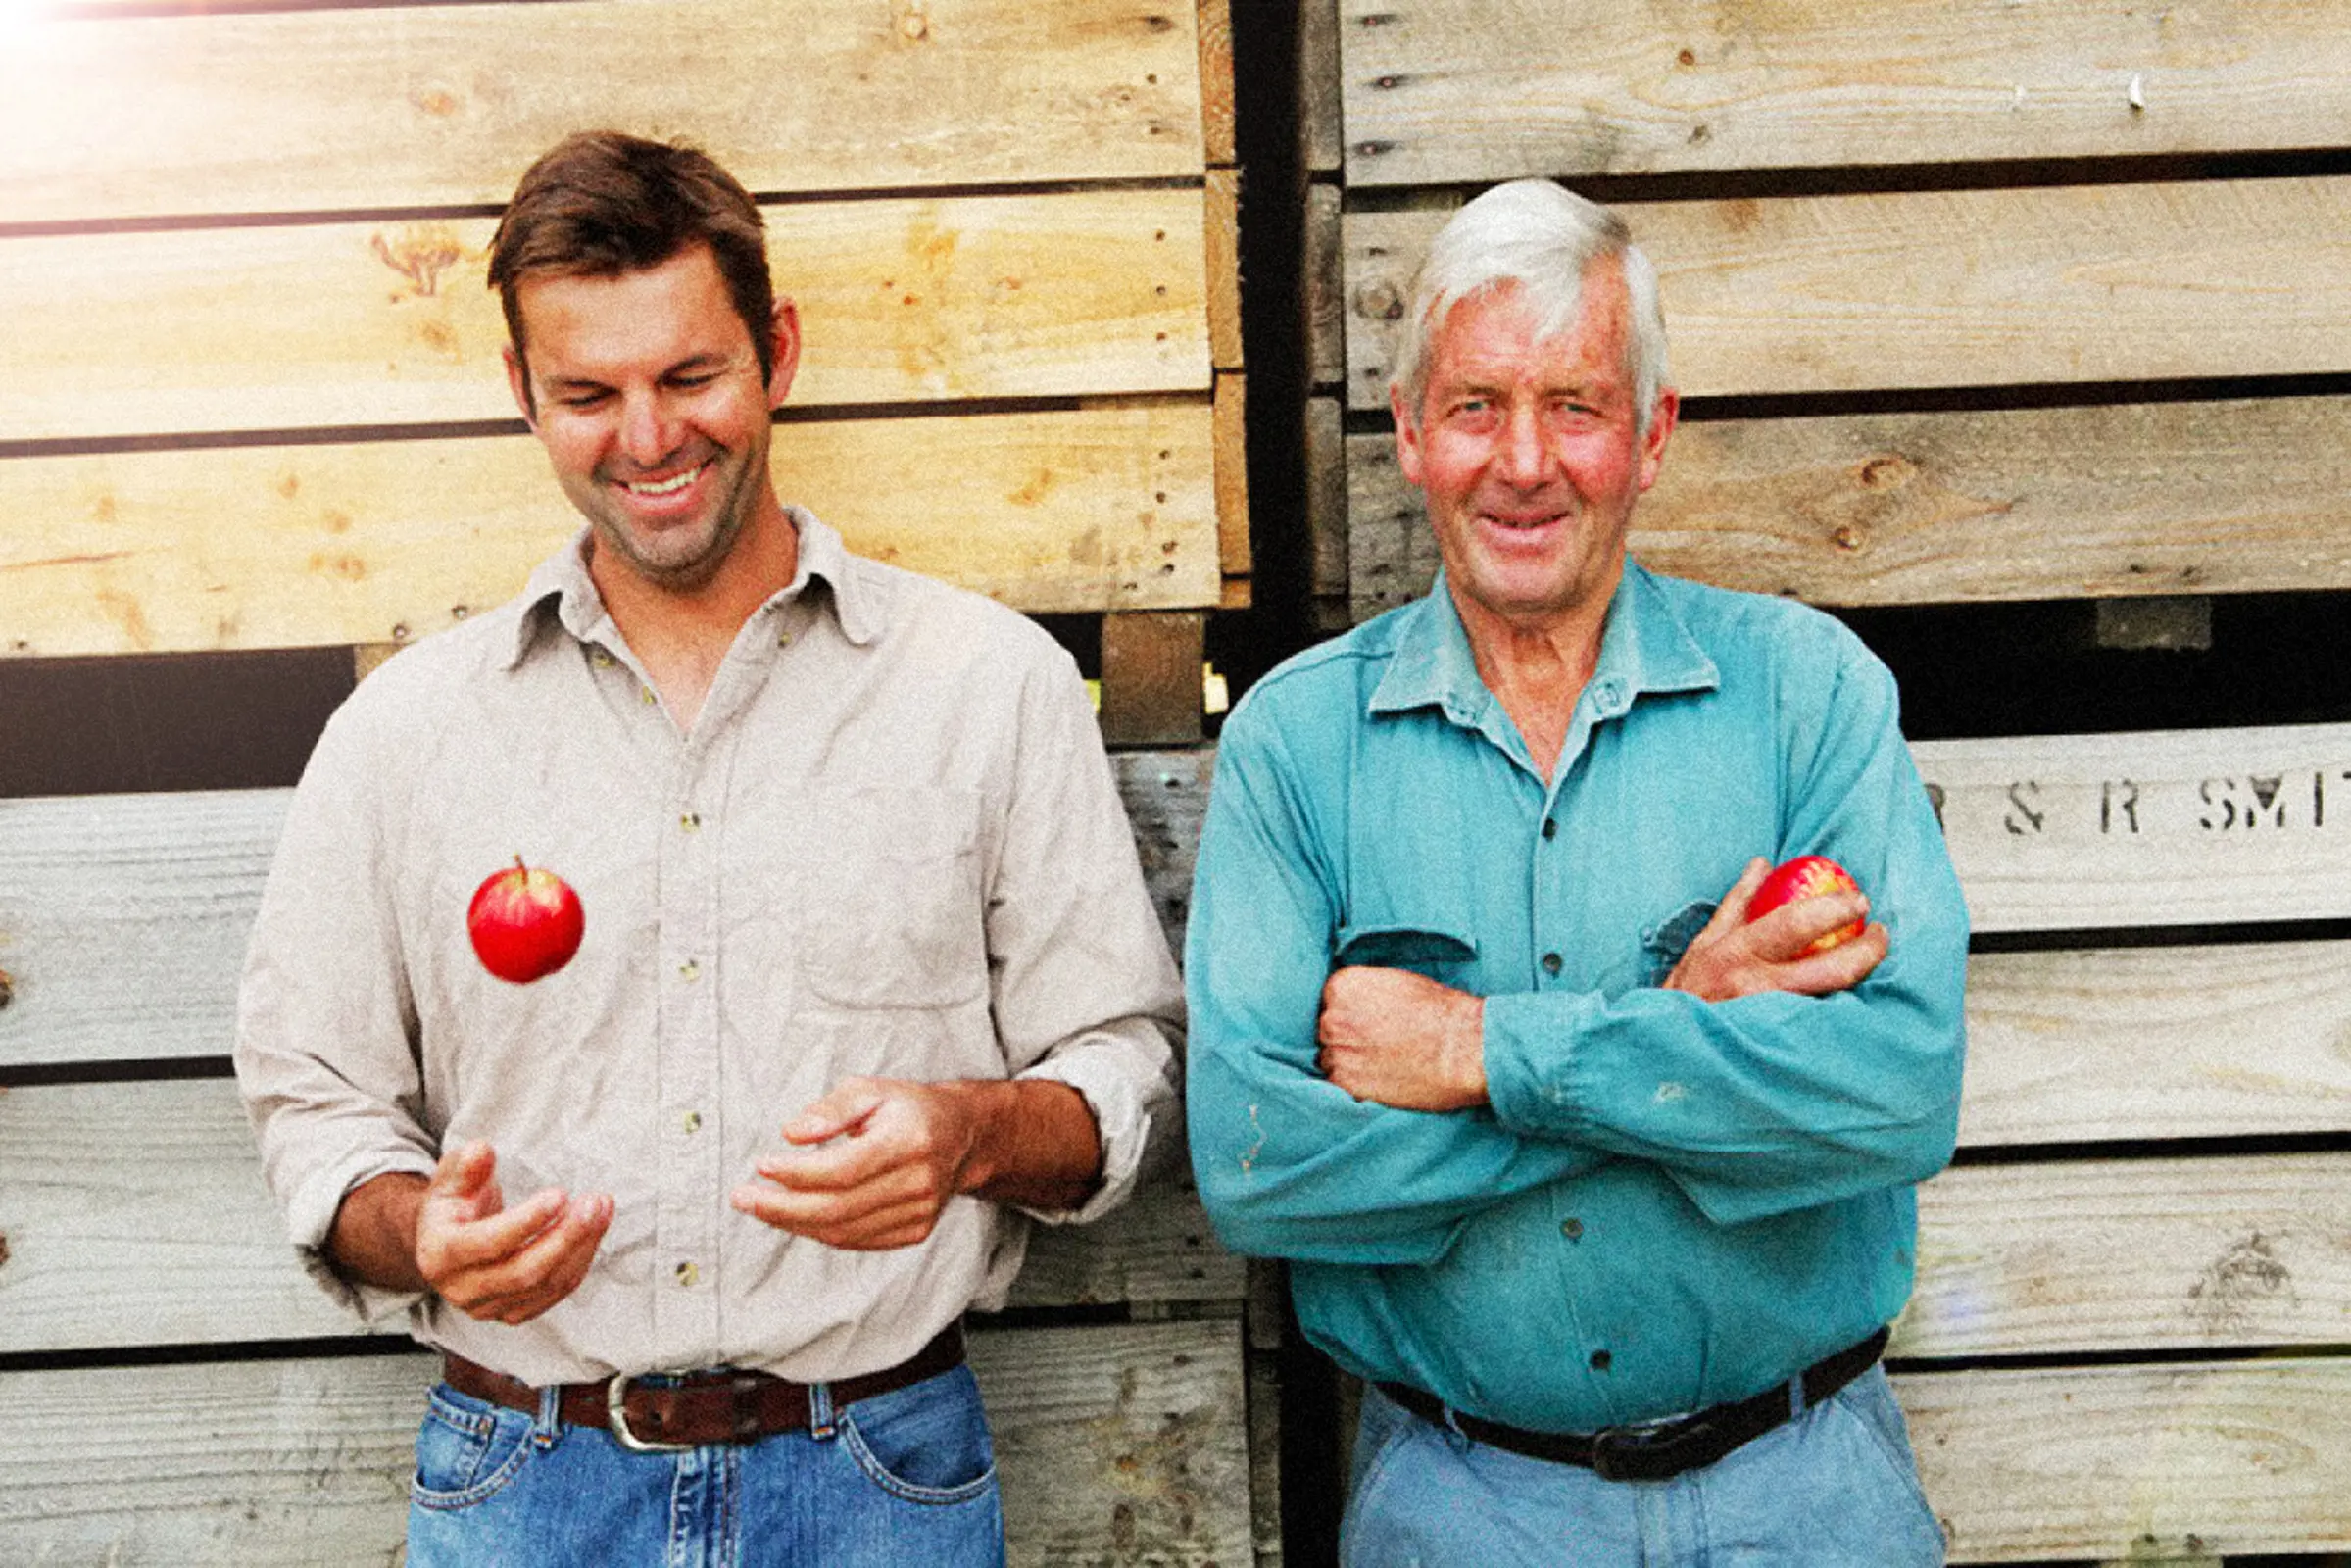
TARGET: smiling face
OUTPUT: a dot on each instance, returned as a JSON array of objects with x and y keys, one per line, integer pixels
[
  {"x": 645, "y": 389},
  {"x": 1529, "y": 452}
]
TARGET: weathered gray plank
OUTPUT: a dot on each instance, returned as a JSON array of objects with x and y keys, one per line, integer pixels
[
  {"x": 435, "y": 106},
  {"x": 2146, "y": 1042},
  {"x": 2082, "y": 1462},
  {"x": 2223, "y": 497},
  {"x": 123, "y": 920},
  {"x": 1113, "y": 1444},
  {"x": 1474, "y": 91},
  {"x": 1166, "y": 796},
  {"x": 148, "y": 1198},
  {"x": 2154, "y": 828},
  {"x": 1952, "y": 289},
  {"x": 2136, "y": 1254}
]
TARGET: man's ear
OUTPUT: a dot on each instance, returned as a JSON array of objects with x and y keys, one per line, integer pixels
[
  {"x": 517, "y": 380},
  {"x": 1662, "y": 419},
  {"x": 783, "y": 342},
  {"x": 1408, "y": 434}
]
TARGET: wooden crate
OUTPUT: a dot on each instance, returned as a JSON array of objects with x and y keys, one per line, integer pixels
[
  {"x": 1987, "y": 305},
  {"x": 252, "y": 403}
]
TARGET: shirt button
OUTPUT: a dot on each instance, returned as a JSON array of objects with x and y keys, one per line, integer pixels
[
  {"x": 1572, "y": 1229},
  {"x": 688, "y": 1275},
  {"x": 645, "y": 694},
  {"x": 783, "y": 639},
  {"x": 1599, "y": 1358},
  {"x": 1550, "y": 827},
  {"x": 693, "y": 1121},
  {"x": 689, "y": 970},
  {"x": 601, "y": 658},
  {"x": 1550, "y": 963},
  {"x": 691, "y": 822}
]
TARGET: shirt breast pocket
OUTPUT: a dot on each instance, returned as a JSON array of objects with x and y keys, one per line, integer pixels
[
  {"x": 1662, "y": 944},
  {"x": 890, "y": 912},
  {"x": 1445, "y": 956}
]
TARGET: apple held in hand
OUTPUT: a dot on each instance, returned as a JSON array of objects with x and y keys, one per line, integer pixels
[
  {"x": 1804, "y": 877},
  {"x": 525, "y": 924}
]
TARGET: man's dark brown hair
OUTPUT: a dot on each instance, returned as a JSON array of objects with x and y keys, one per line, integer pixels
[{"x": 603, "y": 203}]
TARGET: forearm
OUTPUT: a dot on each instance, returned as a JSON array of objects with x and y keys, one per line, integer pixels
[
  {"x": 1034, "y": 1142},
  {"x": 373, "y": 1238}
]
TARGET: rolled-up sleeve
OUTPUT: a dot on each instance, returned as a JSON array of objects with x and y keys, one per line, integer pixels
[
  {"x": 326, "y": 1041},
  {"x": 1085, "y": 989}
]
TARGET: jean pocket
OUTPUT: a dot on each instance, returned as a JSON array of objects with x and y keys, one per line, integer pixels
[
  {"x": 926, "y": 1443},
  {"x": 467, "y": 1451},
  {"x": 1868, "y": 1403}
]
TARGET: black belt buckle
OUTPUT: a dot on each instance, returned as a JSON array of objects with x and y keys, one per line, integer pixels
[{"x": 1648, "y": 1453}]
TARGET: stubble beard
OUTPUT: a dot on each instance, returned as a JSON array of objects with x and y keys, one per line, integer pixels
[{"x": 681, "y": 559}]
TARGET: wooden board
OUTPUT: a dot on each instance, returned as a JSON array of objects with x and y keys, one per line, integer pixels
[
  {"x": 148, "y": 1198},
  {"x": 2239, "y": 496},
  {"x": 123, "y": 917},
  {"x": 1953, "y": 289},
  {"x": 2133, "y": 1254},
  {"x": 2154, "y": 828},
  {"x": 1112, "y": 1444},
  {"x": 2150, "y": 1042},
  {"x": 440, "y": 106},
  {"x": 2138, "y": 1462},
  {"x": 1469, "y": 92},
  {"x": 392, "y": 321},
  {"x": 1100, "y": 508}
]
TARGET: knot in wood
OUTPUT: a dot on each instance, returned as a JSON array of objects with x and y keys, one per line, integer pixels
[
  {"x": 7, "y": 989},
  {"x": 1888, "y": 472},
  {"x": 1380, "y": 302},
  {"x": 1849, "y": 537}
]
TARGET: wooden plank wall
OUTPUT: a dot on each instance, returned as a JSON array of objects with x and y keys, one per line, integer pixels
[
  {"x": 1998, "y": 305},
  {"x": 251, "y": 402}
]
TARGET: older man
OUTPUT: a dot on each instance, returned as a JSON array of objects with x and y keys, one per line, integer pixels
[
  {"x": 1606, "y": 1190},
  {"x": 870, "y": 972}
]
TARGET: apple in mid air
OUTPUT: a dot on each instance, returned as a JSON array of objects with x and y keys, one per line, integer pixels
[
  {"x": 1806, "y": 877},
  {"x": 525, "y": 923}
]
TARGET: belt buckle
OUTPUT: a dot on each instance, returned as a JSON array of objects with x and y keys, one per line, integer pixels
[
  {"x": 1632, "y": 1454},
  {"x": 615, "y": 1416}
]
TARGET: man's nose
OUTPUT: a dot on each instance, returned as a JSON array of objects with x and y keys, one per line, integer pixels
[
  {"x": 648, "y": 431},
  {"x": 1521, "y": 456}
]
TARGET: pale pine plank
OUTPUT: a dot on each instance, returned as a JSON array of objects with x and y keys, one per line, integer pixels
[
  {"x": 2153, "y": 829},
  {"x": 1112, "y": 1444},
  {"x": 2140, "y": 1462},
  {"x": 1467, "y": 91},
  {"x": 440, "y": 106},
  {"x": 1100, "y": 508},
  {"x": 392, "y": 323},
  {"x": 1953, "y": 289},
  {"x": 2194, "y": 1042},
  {"x": 2239, "y": 496},
  {"x": 2136, "y": 1254},
  {"x": 184, "y": 1245}
]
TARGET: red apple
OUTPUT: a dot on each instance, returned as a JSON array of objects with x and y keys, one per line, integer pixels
[
  {"x": 525, "y": 924},
  {"x": 1804, "y": 877}
]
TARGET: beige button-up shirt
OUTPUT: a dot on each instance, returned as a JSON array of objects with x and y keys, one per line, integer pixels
[{"x": 890, "y": 845}]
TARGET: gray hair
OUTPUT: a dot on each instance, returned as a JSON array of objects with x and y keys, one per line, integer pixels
[{"x": 1543, "y": 238}]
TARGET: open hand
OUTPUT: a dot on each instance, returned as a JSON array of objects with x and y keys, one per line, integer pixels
[{"x": 503, "y": 1265}]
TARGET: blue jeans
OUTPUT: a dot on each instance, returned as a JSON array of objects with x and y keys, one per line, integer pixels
[
  {"x": 905, "y": 1476},
  {"x": 1834, "y": 1487}
]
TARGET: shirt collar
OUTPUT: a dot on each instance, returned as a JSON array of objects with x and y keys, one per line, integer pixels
[
  {"x": 560, "y": 586},
  {"x": 1644, "y": 647}
]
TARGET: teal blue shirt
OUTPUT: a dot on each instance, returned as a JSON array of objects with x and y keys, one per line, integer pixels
[{"x": 1669, "y": 1202}]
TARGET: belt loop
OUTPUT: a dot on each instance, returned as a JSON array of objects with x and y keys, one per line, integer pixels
[
  {"x": 821, "y": 1412},
  {"x": 1795, "y": 1397},
  {"x": 550, "y": 1423}
]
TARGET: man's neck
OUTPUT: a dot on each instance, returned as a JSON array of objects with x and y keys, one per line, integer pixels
[
  {"x": 1537, "y": 667},
  {"x": 681, "y": 635}
]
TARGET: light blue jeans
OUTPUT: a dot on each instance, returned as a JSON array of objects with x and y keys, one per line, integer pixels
[
  {"x": 1834, "y": 1487},
  {"x": 902, "y": 1478}
]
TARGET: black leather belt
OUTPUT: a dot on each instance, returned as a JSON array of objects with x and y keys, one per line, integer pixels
[
  {"x": 701, "y": 1408},
  {"x": 1664, "y": 1449}
]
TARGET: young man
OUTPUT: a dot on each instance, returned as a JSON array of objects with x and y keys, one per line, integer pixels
[
  {"x": 1606, "y": 1192},
  {"x": 870, "y": 971}
]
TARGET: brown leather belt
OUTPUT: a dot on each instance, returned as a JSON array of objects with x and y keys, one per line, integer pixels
[
  {"x": 689, "y": 1409},
  {"x": 1664, "y": 1449}
]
